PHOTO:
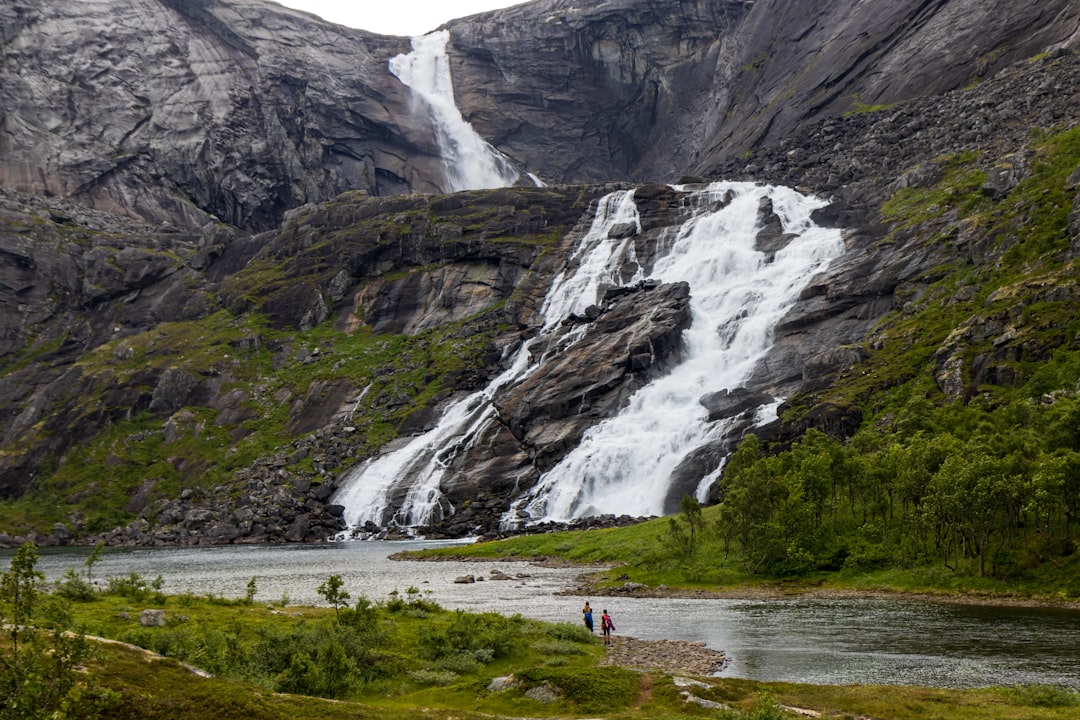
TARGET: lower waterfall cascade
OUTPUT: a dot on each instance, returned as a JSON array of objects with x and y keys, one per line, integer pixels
[{"x": 622, "y": 465}]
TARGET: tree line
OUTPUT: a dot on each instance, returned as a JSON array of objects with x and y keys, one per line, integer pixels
[{"x": 985, "y": 491}]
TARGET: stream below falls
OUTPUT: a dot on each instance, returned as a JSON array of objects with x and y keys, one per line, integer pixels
[{"x": 821, "y": 641}]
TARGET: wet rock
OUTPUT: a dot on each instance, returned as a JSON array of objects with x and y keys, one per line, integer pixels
[{"x": 729, "y": 403}]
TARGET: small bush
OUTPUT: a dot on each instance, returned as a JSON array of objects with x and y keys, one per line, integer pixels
[
  {"x": 470, "y": 634},
  {"x": 766, "y": 708},
  {"x": 74, "y": 586},
  {"x": 136, "y": 587},
  {"x": 440, "y": 678},
  {"x": 570, "y": 632},
  {"x": 592, "y": 690},
  {"x": 461, "y": 664}
]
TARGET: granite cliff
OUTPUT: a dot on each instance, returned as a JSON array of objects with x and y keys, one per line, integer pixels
[{"x": 220, "y": 287}]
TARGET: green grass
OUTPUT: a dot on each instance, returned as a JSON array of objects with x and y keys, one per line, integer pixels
[
  {"x": 640, "y": 554},
  {"x": 165, "y": 690},
  {"x": 152, "y": 688},
  {"x": 408, "y": 658}
]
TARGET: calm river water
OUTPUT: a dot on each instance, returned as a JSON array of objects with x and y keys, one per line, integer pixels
[{"x": 841, "y": 641}]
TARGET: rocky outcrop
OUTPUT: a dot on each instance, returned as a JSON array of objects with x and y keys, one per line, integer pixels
[
  {"x": 162, "y": 161},
  {"x": 407, "y": 264},
  {"x": 626, "y": 342},
  {"x": 631, "y": 338},
  {"x": 655, "y": 91},
  {"x": 993, "y": 119},
  {"x": 189, "y": 110},
  {"x": 73, "y": 280},
  {"x": 184, "y": 110}
]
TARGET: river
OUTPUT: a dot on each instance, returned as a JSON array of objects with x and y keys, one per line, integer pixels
[{"x": 822, "y": 641}]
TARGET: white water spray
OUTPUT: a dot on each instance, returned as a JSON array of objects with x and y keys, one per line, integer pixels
[
  {"x": 623, "y": 464},
  {"x": 413, "y": 473},
  {"x": 470, "y": 163}
]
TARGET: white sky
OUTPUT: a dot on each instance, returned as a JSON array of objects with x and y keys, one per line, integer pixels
[{"x": 395, "y": 17}]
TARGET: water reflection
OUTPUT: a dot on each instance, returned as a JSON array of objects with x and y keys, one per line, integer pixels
[{"x": 841, "y": 641}]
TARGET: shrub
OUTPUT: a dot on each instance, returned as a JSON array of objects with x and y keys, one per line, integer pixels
[
  {"x": 74, "y": 587},
  {"x": 593, "y": 690},
  {"x": 462, "y": 663},
  {"x": 571, "y": 632},
  {"x": 40, "y": 671},
  {"x": 766, "y": 708},
  {"x": 470, "y": 634},
  {"x": 440, "y": 678},
  {"x": 1042, "y": 696},
  {"x": 136, "y": 587}
]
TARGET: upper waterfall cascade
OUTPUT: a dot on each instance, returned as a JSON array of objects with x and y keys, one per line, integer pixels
[
  {"x": 469, "y": 162},
  {"x": 622, "y": 465}
]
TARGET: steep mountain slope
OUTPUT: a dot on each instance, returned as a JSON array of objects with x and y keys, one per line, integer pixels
[
  {"x": 182, "y": 110},
  {"x": 179, "y": 111},
  {"x": 215, "y": 383},
  {"x": 653, "y": 91}
]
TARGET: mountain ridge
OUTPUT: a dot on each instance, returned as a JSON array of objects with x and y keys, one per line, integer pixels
[{"x": 185, "y": 358}]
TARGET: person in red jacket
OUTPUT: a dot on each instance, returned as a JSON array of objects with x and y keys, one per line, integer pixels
[{"x": 606, "y": 626}]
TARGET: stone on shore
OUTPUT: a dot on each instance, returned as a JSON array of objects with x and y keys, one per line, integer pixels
[{"x": 674, "y": 656}]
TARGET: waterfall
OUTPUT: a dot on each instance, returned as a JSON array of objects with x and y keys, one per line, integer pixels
[
  {"x": 469, "y": 162},
  {"x": 622, "y": 465},
  {"x": 414, "y": 471}
]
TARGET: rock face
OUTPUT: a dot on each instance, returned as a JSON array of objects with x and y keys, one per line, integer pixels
[
  {"x": 627, "y": 342},
  {"x": 660, "y": 90},
  {"x": 165, "y": 162},
  {"x": 179, "y": 110},
  {"x": 186, "y": 110}
]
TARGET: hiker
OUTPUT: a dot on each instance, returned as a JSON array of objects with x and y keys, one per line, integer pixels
[
  {"x": 587, "y": 613},
  {"x": 606, "y": 626}
]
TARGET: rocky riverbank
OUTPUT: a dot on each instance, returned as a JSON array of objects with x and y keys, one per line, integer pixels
[{"x": 669, "y": 656}]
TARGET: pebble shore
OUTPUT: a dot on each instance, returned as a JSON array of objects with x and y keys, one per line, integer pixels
[{"x": 669, "y": 656}]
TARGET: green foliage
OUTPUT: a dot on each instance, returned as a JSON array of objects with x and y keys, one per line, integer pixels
[
  {"x": 331, "y": 673},
  {"x": 74, "y": 586},
  {"x": 482, "y": 637},
  {"x": 439, "y": 678},
  {"x": 137, "y": 588},
  {"x": 1047, "y": 696},
  {"x": 334, "y": 593},
  {"x": 40, "y": 673},
  {"x": 19, "y": 594},
  {"x": 590, "y": 690}
]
